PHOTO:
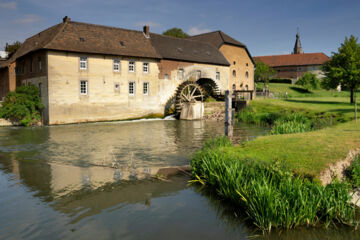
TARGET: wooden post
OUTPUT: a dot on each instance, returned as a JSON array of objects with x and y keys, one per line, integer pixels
[{"x": 228, "y": 114}]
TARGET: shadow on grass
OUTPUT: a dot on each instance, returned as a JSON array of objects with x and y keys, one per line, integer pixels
[{"x": 300, "y": 90}]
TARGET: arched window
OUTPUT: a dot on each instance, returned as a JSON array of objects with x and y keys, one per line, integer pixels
[
  {"x": 247, "y": 74},
  {"x": 234, "y": 87},
  {"x": 234, "y": 73}
]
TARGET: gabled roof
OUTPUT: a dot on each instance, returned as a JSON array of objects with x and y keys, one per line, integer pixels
[
  {"x": 218, "y": 38},
  {"x": 187, "y": 50},
  {"x": 294, "y": 59},
  {"x": 90, "y": 38}
]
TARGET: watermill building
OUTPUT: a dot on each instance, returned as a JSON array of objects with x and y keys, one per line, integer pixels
[{"x": 88, "y": 72}]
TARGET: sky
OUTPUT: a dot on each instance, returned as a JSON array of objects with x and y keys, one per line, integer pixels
[{"x": 266, "y": 27}]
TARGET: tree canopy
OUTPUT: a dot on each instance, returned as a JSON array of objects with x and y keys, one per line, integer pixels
[
  {"x": 344, "y": 67},
  {"x": 309, "y": 81},
  {"x": 176, "y": 32},
  {"x": 12, "y": 48},
  {"x": 263, "y": 73}
]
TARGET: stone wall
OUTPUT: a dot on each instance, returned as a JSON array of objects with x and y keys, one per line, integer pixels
[{"x": 241, "y": 63}]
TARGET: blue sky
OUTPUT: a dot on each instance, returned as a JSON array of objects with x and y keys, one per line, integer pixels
[{"x": 266, "y": 27}]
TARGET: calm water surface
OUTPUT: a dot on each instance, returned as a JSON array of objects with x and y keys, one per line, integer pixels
[{"x": 91, "y": 181}]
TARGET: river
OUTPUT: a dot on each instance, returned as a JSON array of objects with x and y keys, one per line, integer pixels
[{"x": 93, "y": 181}]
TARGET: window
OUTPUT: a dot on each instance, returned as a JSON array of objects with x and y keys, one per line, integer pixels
[
  {"x": 131, "y": 88},
  {"x": 166, "y": 76},
  {"x": 39, "y": 64},
  {"x": 246, "y": 87},
  {"x": 247, "y": 75},
  {"x": 247, "y": 64},
  {"x": 83, "y": 63},
  {"x": 131, "y": 66},
  {"x": 146, "y": 67},
  {"x": 181, "y": 74},
  {"x": 234, "y": 87},
  {"x": 217, "y": 76},
  {"x": 83, "y": 87},
  {"x": 116, "y": 65},
  {"x": 234, "y": 62},
  {"x": 31, "y": 65},
  {"x": 146, "y": 88},
  {"x": 234, "y": 73}
]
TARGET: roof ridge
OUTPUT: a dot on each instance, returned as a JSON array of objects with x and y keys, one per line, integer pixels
[
  {"x": 205, "y": 33},
  {"x": 290, "y": 54},
  {"x": 111, "y": 27},
  {"x": 57, "y": 34}
]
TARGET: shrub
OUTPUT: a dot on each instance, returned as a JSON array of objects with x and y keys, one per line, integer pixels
[
  {"x": 309, "y": 81},
  {"x": 23, "y": 105},
  {"x": 353, "y": 172},
  {"x": 270, "y": 195}
]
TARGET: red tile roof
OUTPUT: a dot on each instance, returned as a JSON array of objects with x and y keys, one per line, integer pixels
[{"x": 294, "y": 59}]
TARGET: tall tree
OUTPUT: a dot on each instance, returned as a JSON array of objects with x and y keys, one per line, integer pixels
[
  {"x": 344, "y": 67},
  {"x": 263, "y": 73},
  {"x": 12, "y": 48},
  {"x": 176, "y": 32}
]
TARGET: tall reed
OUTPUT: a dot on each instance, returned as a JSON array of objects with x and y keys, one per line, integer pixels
[{"x": 269, "y": 194}]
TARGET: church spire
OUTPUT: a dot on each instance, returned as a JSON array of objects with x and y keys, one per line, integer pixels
[{"x": 297, "y": 47}]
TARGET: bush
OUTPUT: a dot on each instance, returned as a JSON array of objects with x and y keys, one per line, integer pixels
[
  {"x": 270, "y": 195},
  {"x": 353, "y": 172},
  {"x": 309, "y": 81},
  {"x": 22, "y": 106}
]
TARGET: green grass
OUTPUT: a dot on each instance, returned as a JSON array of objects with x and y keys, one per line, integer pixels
[
  {"x": 298, "y": 91},
  {"x": 269, "y": 193},
  {"x": 305, "y": 154}
]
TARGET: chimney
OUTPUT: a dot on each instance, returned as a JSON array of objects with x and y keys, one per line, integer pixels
[
  {"x": 66, "y": 19},
  {"x": 146, "y": 31}
]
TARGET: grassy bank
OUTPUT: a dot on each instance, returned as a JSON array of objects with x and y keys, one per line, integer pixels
[
  {"x": 295, "y": 91},
  {"x": 267, "y": 190}
]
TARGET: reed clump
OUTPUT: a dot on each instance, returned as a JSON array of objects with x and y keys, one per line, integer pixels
[{"x": 270, "y": 195}]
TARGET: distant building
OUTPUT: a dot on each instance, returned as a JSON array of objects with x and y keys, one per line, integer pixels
[{"x": 293, "y": 66}]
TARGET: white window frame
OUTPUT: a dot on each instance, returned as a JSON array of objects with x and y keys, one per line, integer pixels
[
  {"x": 116, "y": 62},
  {"x": 86, "y": 92},
  {"x": 131, "y": 67},
  {"x": 146, "y": 67},
  {"x": 83, "y": 60},
  {"x": 133, "y": 92},
  {"x": 166, "y": 76},
  {"x": 217, "y": 76},
  {"x": 146, "y": 86}
]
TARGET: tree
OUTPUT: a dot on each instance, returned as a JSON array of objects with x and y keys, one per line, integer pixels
[
  {"x": 344, "y": 67},
  {"x": 176, "y": 32},
  {"x": 309, "y": 81},
  {"x": 263, "y": 73},
  {"x": 12, "y": 48}
]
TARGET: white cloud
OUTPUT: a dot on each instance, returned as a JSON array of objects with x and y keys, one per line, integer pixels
[
  {"x": 198, "y": 30},
  {"x": 8, "y": 5},
  {"x": 27, "y": 19},
  {"x": 148, "y": 23}
]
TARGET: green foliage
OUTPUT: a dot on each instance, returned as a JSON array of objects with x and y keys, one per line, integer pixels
[
  {"x": 309, "y": 81},
  {"x": 344, "y": 67},
  {"x": 293, "y": 123},
  {"x": 23, "y": 105},
  {"x": 269, "y": 194},
  {"x": 176, "y": 32},
  {"x": 263, "y": 73},
  {"x": 250, "y": 115},
  {"x": 12, "y": 48},
  {"x": 353, "y": 173}
]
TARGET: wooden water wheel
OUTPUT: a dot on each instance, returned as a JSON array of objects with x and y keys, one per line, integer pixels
[{"x": 188, "y": 92}]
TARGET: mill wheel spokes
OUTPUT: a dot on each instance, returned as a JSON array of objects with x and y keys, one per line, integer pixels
[{"x": 191, "y": 93}]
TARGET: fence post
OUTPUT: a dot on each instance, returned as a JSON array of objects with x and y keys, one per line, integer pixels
[{"x": 228, "y": 114}]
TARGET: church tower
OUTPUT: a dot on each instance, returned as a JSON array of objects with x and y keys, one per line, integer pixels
[{"x": 297, "y": 47}]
